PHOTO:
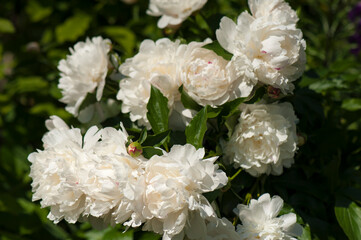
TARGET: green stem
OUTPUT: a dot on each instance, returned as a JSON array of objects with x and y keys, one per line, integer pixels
[{"x": 235, "y": 175}]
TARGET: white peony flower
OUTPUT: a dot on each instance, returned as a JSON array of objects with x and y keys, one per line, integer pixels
[
  {"x": 267, "y": 43},
  {"x": 83, "y": 71},
  {"x": 157, "y": 63},
  {"x": 112, "y": 185},
  {"x": 265, "y": 140},
  {"x": 173, "y": 12},
  {"x": 221, "y": 229},
  {"x": 91, "y": 177},
  {"x": 60, "y": 169},
  {"x": 210, "y": 79},
  {"x": 260, "y": 221},
  {"x": 174, "y": 204}
]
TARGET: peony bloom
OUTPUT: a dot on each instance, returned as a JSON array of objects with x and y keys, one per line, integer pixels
[
  {"x": 86, "y": 177},
  {"x": 266, "y": 45},
  {"x": 211, "y": 80},
  {"x": 173, "y": 12},
  {"x": 174, "y": 204},
  {"x": 221, "y": 229},
  {"x": 60, "y": 169},
  {"x": 260, "y": 221},
  {"x": 265, "y": 140},
  {"x": 113, "y": 182},
  {"x": 83, "y": 71},
  {"x": 155, "y": 64}
]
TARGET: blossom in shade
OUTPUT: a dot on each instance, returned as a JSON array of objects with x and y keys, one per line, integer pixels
[
  {"x": 173, "y": 12},
  {"x": 265, "y": 140},
  {"x": 174, "y": 183},
  {"x": 266, "y": 44},
  {"x": 83, "y": 71},
  {"x": 259, "y": 220}
]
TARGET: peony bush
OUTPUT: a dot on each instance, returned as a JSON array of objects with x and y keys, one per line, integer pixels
[{"x": 197, "y": 132}]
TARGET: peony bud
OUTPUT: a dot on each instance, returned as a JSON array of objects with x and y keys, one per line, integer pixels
[
  {"x": 273, "y": 92},
  {"x": 135, "y": 149}
]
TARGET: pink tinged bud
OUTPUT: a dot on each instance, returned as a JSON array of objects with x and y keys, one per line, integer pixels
[
  {"x": 273, "y": 92},
  {"x": 135, "y": 149},
  {"x": 209, "y": 62},
  {"x": 264, "y": 52},
  {"x": 278, "y": 69}
]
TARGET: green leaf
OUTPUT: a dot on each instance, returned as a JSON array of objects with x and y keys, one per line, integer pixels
[
  {"x": 352, "y": 104},
  {"x": 72, "y": 28},
  {"x": 157, "y": 139},
  {"x": 306, "y": 235},
  {"x": 326, "y": 84},
  {"x": 197, "y": 128},
  {"x": 187, "y": 101},
  {"x": 116, "y": 234},
  {"x": 217, "y": 48},
  {"x": 143, "y": 136},
  {"x": 257, "y": 96},
  {"x": 349, "y": 219},
  {"x": 213, "y": 112},
  {"x": 211, "y": 196},
  {"x": 6, "y": 26},
  {"x": 230, "y": 108},
  {"x": 149, "y": 152},
  {"x": 37, "y": 12},
  {"x": 158, "y": 111},
  {"x": 148, "y": 236},
  {"x": 31, "y": 84},
  {"x": 123, "y": 36}
]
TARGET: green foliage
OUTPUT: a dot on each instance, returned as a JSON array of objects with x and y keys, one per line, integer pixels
[
  {"x": 158, "y": 111},
  {"x": 350, "y": 220},
  {"x": 73, "y": 27},
  {"x": 197, "y": 128},
  {"x": 6, "y": 26}
]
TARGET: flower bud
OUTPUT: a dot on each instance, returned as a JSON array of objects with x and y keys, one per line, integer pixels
[
  {"x": 135, "y": 149},
  {"x": 273, "y": 92}
]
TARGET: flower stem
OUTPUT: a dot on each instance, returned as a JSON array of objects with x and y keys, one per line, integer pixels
[{"x": 235, "y": 175}]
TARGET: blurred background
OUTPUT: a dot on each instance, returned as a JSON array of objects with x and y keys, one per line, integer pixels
[{"x": 36, "y": 34}]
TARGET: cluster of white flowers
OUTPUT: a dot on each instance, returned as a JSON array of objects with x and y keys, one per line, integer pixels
[
  {"x": 266, "y": 46},
  {"x": 265, "y": 140},
  {"x": 95, "y": 177},
  {"x": 259, "y": 220},
  {"x": 206, "y": 77},
  {"x": 173, "y": 12}
]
